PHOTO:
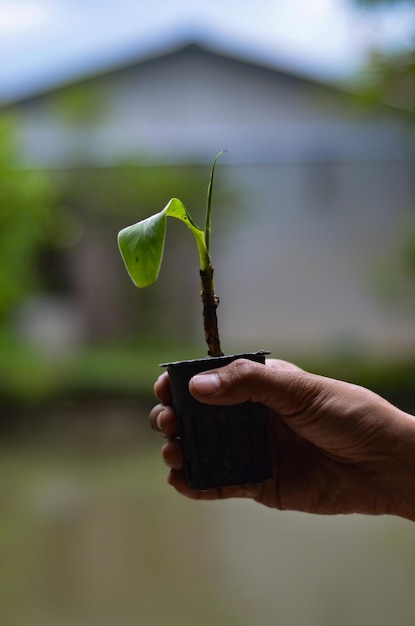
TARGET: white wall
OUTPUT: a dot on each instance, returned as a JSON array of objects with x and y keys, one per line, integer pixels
[
  {"x": 301, "y": 270},
  {"x": 324, "y": 189}
]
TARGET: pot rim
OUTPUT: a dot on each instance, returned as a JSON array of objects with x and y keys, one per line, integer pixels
[{"x": 224, "y": 357}]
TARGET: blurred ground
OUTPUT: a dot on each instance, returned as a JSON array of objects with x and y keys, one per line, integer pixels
[{"x": 91, "y": 535}]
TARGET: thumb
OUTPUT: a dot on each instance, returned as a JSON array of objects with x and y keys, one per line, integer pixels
[{"x": 279, "y": 385}]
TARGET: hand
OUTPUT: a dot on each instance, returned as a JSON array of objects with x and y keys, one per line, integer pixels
[{"x": 337, "y": 447}]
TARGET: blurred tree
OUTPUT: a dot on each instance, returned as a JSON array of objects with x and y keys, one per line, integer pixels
[
  {"x": 377, "y": 3},
  {"x": 27, "y": 221},
  {"x": 79, "y": 105},
  {"x": 388, "y": 77}
]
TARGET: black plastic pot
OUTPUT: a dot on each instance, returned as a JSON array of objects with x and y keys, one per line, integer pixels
[{"x": 223, "y": 445}]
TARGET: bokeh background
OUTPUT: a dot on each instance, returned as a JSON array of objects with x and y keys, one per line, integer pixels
[{"x": 106, "y": 111}]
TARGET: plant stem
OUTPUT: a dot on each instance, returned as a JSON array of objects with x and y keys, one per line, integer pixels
[{"x": 210, "y": 304}]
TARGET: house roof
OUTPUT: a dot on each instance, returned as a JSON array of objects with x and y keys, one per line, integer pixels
[
  {"x": 135, "y": 59},
  {"x": 188, "y": 101}
]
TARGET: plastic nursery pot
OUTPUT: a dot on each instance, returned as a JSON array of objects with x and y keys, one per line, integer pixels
[{"x": 223, "y": 445}]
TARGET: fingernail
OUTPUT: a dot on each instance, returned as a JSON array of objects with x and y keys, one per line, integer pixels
[
  {"x": 158, "y": 420},
  {"x": 206, "y": 384}
]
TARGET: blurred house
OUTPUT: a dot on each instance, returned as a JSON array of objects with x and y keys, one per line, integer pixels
[{"x": 321, "y": 193}]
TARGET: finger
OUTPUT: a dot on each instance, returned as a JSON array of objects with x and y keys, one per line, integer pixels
[
  {"x": 162, "y": 389},
  {"x": 177, "y": 480},
  {"x": 163, "y": 421},
  {"x": 172, "y": 453},
  {"x": 279, "y": 385}
]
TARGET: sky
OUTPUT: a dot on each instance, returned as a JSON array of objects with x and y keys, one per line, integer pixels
[{"x": 43, "y": 42}]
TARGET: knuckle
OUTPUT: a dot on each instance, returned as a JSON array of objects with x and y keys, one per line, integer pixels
[
  {"x": 307, "y": 389},
  {"x": 154, "y": 417},
  {"x": 241, "y": 370}
]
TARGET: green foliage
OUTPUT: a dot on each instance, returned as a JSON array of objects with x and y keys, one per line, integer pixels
[
  {"x": 395, "y": 277},
  {"x": 129, "y": 190},
  {"x": 142, "y": 244},
  {"x": 27, "y": 202},
  {"x": 389, "y": 76},
  {"x": 378, "y": 3},
  {"x": 78, "y": 105},
  {"x": 29, "y": 376},
  {"x": 408, "y": 252},
  {"x": 390, "y": 79}
]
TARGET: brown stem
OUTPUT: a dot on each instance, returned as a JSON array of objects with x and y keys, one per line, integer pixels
[{"x": 210, "y": 304}]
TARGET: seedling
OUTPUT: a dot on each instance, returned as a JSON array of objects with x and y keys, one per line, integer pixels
[
  {"x": 221, "y": 445},
  {"x": 142, "y": 246}
]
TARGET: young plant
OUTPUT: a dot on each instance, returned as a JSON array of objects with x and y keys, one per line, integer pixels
[{"x": 142, "y": 246}]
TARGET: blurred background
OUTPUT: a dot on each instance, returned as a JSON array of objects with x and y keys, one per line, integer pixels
[{"x": 107, "y": 110}]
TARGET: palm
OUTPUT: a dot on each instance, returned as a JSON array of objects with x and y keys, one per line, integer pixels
[{"x": 324, "y": 472}]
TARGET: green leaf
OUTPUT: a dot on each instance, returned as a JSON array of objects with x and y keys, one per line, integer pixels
[
  {"x": 142, "y": 244},
  {"x": 208, "y": 220}
]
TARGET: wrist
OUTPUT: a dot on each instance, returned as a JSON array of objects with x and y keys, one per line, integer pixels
[{"x": 402, "y": 475}]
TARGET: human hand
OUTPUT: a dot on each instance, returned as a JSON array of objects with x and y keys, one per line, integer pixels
[{"x": 337, "y": 447}]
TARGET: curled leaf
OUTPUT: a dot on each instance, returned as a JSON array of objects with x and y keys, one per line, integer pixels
[{"x": 142, "y": 244}]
